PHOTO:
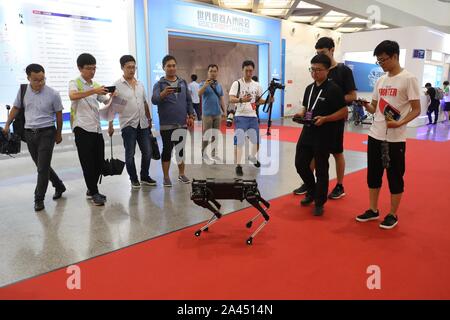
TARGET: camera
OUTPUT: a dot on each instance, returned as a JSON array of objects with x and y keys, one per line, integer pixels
[
  {"x": 230, "y": 119},
  {"x": 275, "y": 84}
]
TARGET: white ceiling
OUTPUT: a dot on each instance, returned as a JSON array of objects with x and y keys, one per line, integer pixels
[{"x": 393, "y": 13}]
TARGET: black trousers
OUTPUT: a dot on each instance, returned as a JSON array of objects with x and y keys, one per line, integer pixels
[
  {"x": 303, "y": 156},
  {"x": 91, "y": 152},
  {"x": 40, "y": 145},
  {"x": 173, "y": 138},
  {"x": 198, "y": 110},
  {"x": 434, "y": 108}
]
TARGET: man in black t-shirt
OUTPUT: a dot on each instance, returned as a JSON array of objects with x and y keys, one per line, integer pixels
[
  {"x": 324, "y": 105},
  {"x": 433, "y": 106},
  {"x": 343, "y": 77}
]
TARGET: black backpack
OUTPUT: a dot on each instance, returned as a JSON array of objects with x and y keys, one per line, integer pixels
[{"x": 19, "y": 121}]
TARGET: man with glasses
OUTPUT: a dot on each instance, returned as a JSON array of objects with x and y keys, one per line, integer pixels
[
  {"x": 135, "y": 122},
  {"x": 41, "y": 105},
  {"x": 343, "y": 77},
  {"x": 396, "y": 93},
  {"x": 85, "y": 95},
  {"x": 323, "y": 107}
]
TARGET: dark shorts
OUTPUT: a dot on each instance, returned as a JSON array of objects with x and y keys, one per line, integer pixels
[
  {"x": 395, "y": 172},
  {"x": 337, "y": 145},
  {"x": 447, "y": 106}
]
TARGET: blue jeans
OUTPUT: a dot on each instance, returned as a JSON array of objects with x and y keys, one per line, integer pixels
[{"x": 130, "y": 136}]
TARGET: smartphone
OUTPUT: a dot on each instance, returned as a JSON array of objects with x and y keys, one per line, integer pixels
[
  {"x": 177, "y": 89},
  {"x": 111, "y": 89}
]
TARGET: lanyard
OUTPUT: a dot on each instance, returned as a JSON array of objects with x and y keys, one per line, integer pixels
[{"x": 310, "y": 96}]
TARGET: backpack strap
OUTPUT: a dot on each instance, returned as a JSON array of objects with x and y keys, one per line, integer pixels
[{"x": 80, "y": 87}]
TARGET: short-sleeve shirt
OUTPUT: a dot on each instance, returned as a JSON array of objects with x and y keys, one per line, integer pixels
[
  {"x": 398, "y": 91},
  {"x": 447, "y": 94},
  {"x": 210, "y": 100},
  {"x": 40, "y": 107},
  {"x": 246, "y": 109},
  {"x": 134, "y": 113},
  {"x": 194, "y": 87},
  {"x": 86, "y": 110},
  {"x": 330, "y": 99}
]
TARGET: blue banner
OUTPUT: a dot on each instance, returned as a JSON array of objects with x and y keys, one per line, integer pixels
[{"x": 366, "y": 75}]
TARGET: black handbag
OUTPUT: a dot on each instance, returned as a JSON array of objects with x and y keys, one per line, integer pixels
[
  {"x": 112, "y": 167},
  {"x": 156, "y": 155},
  {"x": 9, "y": 144}
]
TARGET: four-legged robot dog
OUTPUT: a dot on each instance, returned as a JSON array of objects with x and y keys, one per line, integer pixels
[{"x": 206, "y": 192}]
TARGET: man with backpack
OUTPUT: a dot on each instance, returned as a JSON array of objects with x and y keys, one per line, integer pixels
[{"x": 40, "y": 105}]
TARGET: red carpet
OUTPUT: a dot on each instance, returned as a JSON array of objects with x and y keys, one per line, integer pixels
[
  {"x": 297, "y": 256},
  {"x": 352, "y": 141}
]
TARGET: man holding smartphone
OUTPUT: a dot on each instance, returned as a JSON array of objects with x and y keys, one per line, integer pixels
[
  {"x": 176, "y": 114},
  {"x": 135, "y": 123},
  {"x": 85, "y": 95},
  {"x": 213, "y": 107}
]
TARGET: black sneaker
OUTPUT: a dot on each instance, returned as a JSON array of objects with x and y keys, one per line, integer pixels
[
  {"x": 307, "y": 201},
  {"x": 337, "y": 193},
  {"x": 389, "y": 222},
  {"x": 302, "y": 190},
  {"x": 89, "y": 195},
  {"x": 39, "y": 206},
  {"x": 148, "y": 182},
  {"x": 59, "y": 192},
  {"x": 369, "y": 215},
  {"x": 239, "y": 171},
  {"x": 318, "y": 211},
  {"x": 98, "y": 200},
  {"x": 135, "y": 185}
]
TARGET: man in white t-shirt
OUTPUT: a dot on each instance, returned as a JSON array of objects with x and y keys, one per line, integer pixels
[
  {"x": 395, "y": 103},
  {"x": 194, "y": 87},
  {"x": 246, "y": 94}
]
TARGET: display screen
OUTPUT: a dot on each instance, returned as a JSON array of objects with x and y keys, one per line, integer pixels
[{"x": 53, "y": 33}]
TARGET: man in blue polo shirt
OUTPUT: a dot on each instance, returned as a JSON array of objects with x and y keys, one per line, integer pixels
[
  {"x": 213, "y": 107},
  {"x": 41, "y": 105}
]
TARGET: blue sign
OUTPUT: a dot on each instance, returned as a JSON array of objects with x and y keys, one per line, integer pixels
[
  {"x": 366, "y": 75},
  {"x": 195, "y": 20},
  {"x": 419, "y": 54}
]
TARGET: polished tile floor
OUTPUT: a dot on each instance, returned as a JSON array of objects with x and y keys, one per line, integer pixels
[{"x": 72, "y": 230}]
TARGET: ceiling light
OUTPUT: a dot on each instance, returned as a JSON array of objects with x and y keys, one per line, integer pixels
[
  {"x": 275, "y": 4},
  {"x": 238, "y": 4},
  {"x": 306, "y": 5},
  {"x": 273, "y": 12},
  {"x": 304, "y": 19},
  {"x": 359, "y": 20}
]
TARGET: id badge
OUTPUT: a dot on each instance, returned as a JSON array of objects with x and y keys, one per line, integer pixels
[{"x": 308, "y": 116}]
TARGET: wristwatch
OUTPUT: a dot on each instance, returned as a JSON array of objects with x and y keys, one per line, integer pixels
[{"x": 240, "y": 100}]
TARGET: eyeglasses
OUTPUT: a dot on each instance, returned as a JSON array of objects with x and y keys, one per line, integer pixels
[
  {"x": 90, "y": 68},
  {"x": 38, "y": 81},
  {"x": 131, "y": 68},
  {"x": 381, "y": 61},
  {"x": 314, "y": 70}
]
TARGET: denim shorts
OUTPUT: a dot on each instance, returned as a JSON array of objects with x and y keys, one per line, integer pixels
[{"x": 246, "y": 126}]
